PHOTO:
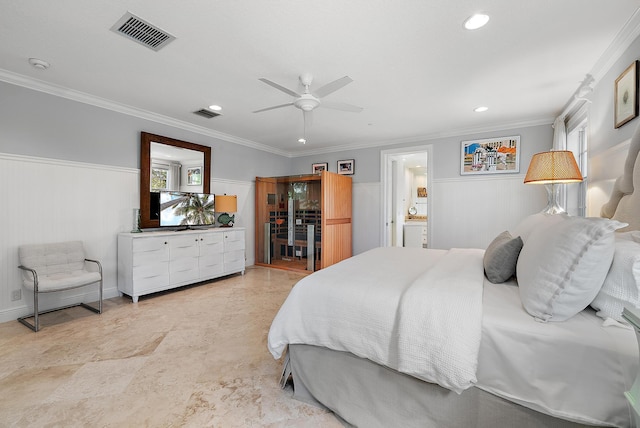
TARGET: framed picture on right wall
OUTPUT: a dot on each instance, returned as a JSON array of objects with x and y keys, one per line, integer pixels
[{"x": 626, "y": 95}]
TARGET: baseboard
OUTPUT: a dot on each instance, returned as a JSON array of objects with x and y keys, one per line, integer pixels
[{"x": 12, "y": 314}]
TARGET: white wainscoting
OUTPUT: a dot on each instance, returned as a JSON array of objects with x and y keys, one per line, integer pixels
[
  {"x": 47, "y": 200},
  {"x": 366, "y": 216},
  {"x": 470, "y": 212}
]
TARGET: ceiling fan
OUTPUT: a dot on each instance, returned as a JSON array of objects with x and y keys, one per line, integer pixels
[{"x": 308, "y": 101}]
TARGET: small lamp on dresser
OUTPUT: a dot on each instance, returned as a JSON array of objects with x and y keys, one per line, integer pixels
[
  {"x": 551, "y": 169},
  {"x": 226, "y": 204}
]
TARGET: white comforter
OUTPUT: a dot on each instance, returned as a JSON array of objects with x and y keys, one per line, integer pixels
[{"x": 423, "y": 317}]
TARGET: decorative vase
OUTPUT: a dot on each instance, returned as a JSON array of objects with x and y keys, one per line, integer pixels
[{"x": 136, "y": 221}]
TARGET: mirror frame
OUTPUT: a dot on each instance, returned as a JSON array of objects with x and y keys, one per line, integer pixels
[{"x": 145, "y": 172}]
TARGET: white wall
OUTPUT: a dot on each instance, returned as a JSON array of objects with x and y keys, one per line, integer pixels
[
  {"x": 51, "y": 201},
  {"x": 471, "y": 213}
]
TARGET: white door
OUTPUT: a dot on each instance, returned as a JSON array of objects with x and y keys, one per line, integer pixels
[{"x": 395, "y": 199}]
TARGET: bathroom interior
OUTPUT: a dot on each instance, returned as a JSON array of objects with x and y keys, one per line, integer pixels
[{"x": 411, "y": 201}]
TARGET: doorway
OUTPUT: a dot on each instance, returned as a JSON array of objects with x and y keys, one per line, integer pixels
[{"x": 406, "y": 176}]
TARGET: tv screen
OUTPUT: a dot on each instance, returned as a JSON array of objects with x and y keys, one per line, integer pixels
[{"x": 186, "y": 209}]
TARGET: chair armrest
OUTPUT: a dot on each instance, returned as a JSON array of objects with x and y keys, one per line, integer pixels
[
  {"x": 96, "y": 262},
  {"x": 35, "y": 276}
]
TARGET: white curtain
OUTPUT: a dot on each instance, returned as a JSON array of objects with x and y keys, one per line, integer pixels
[
  {"x": 560, "y": 143},
  {"x": 174, "y": 177},
  {"x": 559, "y": 134}
]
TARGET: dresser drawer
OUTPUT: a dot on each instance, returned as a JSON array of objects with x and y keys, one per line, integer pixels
[
  {"x": 211, "y": 271},
  {"x": 211, "y": 260},
  {"x": 234, "y": 241},
  {"x": 149, "y": 244},
  {"x": 233, "y": 256},
  {"x": 234, "y": 266},
  {"x": 208, "y": 248},
  {"x": 150, "y": 270},
  {"x": 153, "y": 276}
]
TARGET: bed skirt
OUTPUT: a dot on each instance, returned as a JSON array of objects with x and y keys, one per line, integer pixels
[{"x": 365, "y": 394}]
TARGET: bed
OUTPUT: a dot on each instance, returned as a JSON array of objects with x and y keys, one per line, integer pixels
[{"x": 448, "y": 338}]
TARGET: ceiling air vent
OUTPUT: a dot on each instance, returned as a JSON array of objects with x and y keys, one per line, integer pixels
[
  {"x": 206, "y": 113},
  {"x": 142, "y": 32}
]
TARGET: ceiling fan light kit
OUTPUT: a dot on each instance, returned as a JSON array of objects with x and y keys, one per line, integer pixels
[{"x": 306, "y": 102}]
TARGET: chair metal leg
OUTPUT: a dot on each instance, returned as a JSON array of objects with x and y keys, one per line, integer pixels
[{"x": 36, "y": 320}]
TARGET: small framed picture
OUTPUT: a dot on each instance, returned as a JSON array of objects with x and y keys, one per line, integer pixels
[
  {"x": 317, "y": 168},
  {"x": 194, "y": 176},
  {"x": 498, "y": 155},
  {"x": 346, "y": 167},
  {"x": 626, "y": 95}
]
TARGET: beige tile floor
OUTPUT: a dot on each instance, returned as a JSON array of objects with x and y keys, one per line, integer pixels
[{"x": 193, "y": 357}]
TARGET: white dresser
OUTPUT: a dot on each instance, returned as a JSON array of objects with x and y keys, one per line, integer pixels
[{"x": 155, "y": 261}]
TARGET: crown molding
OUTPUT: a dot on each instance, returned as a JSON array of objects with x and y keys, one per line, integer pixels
[
  {"x": 426, "y": 138},
  {"x": 66, "y": 163},
  {"x": 627, "y": 35},
  {"x": 82, "y": 97}
]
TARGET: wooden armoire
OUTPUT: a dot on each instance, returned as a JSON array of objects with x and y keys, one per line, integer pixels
[{"x": 303, "y": 222}]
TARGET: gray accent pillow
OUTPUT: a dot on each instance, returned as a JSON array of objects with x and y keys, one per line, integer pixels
[{"x": 501, "y": 257}]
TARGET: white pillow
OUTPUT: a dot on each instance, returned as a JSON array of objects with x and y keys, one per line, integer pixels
[
  {"x": 622, "y": 285},
  {"x": 523, "y": 230},
  {"x": 562, "y": 266}
]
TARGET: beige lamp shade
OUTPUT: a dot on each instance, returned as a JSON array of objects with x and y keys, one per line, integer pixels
[
  {"x": 553, "y": 169},
  {"x": 226, "y": 203},
  {"x": 558, "y": 166}
]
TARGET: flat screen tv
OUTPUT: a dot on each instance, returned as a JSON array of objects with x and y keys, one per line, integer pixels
[{"x": 182, "y": 209}]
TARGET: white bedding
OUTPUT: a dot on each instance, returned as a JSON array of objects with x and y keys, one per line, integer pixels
[
  {"x": 577, "y": 369},
  {"x": 417, "y": 311}
]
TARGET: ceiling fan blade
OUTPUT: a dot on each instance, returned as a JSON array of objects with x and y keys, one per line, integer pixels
[
  {"x": 329, "y": 88},
  {"x": 280, "y": 87},
  {"x": 341, "y": 106},
  {"x": 273, "y": 107}
]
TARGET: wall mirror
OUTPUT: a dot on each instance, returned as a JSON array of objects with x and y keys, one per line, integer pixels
[{"x": 169, "y": 164}]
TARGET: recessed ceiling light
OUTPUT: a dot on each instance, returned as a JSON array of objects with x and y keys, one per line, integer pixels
[
  {"x": 302, "y": 140},
  {"x": 480, "y": 109},
  {"x": 215, "y": 107},
  {"x": 476, "y": 21}
]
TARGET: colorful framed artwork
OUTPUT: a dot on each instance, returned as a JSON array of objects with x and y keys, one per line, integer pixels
[
  {"x": 194, "y": 176},
  {"x": 626, "y": 95},
  {"x": 346, "y": 167},
  {"x": 498, "y": 155},
  {"x": 317, "y": 168}
]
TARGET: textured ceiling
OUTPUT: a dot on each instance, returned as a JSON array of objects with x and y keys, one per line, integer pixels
[{"x": 417, "y": 72}]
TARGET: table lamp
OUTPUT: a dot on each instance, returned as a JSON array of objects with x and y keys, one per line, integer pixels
[
  {"x": 226, "y": 204},
  {"x": 551, "y": 169}
]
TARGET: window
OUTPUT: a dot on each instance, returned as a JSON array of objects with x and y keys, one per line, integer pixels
[
  {"x": 159, "y": 178},
  {"x": 577, "y": 193}
]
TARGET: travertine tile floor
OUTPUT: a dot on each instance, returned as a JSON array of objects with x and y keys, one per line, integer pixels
[{"x": 193, "y": 357}]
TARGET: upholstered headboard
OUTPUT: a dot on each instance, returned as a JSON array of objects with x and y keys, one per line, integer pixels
[{"x": 624, "y": 204}]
